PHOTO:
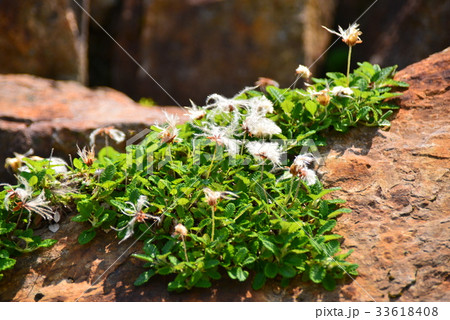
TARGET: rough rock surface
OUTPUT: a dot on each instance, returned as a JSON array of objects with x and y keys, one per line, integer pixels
[
  {"x": 396, "y": 182},
  {"x": 194, "y": 48},
  {"x": 46, "y": 114},
  {"x": 40, "y": 38},
  {"x": 397, "y": 32}
]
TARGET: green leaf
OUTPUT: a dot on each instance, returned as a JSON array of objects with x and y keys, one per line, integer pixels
[
  {"x": 311, "y": 106},
  {"x": 164, "y": 271},
  {"x": 86, "y": 236},
  {"x": 306, "y": 135},
  {"x": 168, "y": 246},
  {"x": 211, "y": 263},
  {"x": 241, "y": 274},
  {"x": 104, "y": 217},
  {"x": 213, "y": 274},
  {"x": 339, "y": 212},
  {"x": 144, "y": 277},
  {"x": 258, "y": 281},
  {"x": 317, "y": 273},
  {"x": 143, "y": 257},
  {"x": 296, "y": 260},
  {"x": 108, "y": 173},
  {"x": 287, "y": 106},
  {"x": 248, "y": 260},
  {"x": 270, "y": 270},
  {"x": 33, "y": 181},
  {"x": 47, "y": 243},
  {"x": 240, "y": 255},
  {"x": 6, "y": 227},
  {"x": 287, "y": 271},
  {"x": 383, "y": 74},
  {"x": 229, "y": 210},
  {"x": 80, "y": 218},
  {"x": 203, "y": 283},
  {"x": 85, "y": 208},
  {"x": 4, "y": 254},
  {"x": 6, "y": 263},
  {"x": 275, "y": 93},
  {"x": 269, "y": 245},
  {"x": 183, "y": 201},
  {"x": 329, "y": 283},
  {"x": 322, "y": 193},
  {"x": 77, "y": 163},
  {"x": 328, "y": 226},
  {"x": 329, "y": 237},
  {"x": 151, "y": 249}
]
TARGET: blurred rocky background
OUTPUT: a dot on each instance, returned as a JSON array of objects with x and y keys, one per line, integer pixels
[
  {"x": 396, "y": 181},
  {"x": 197, "y": 47}
]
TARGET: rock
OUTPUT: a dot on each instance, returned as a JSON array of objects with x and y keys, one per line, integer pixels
[
  {"x": 195, "y": 48},
  {"x": 405, "y": 31},
  {"x": 395, "y": 181},
  {"x": 40, "y": 38},
  {"x": 51, "y": 115}
]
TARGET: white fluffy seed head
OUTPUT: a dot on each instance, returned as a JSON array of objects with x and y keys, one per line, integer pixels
[
  {"x": 303, "y": 71},
  {"x": 266, "y": 150},
  {"x": 180, "y": 230},
  {"x": 341, "y": 91},
  {"x": 260, "y": 127}
]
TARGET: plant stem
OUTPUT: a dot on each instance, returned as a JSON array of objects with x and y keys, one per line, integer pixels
[
  {"x": 298, "y": 188},
  {"x": 348, "y": 64},
  {"x": 212, "y": 163},
  {"x": 184, "y": 247},
  {"x": 213, "y": 223},
  {"x": 243, "y": 143},
  {"x": 290, "y": 190}
]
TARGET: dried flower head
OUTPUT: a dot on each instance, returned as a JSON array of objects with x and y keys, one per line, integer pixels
[
  {"x": 195, "y": 112},
  {"x": 169, "y": 133},
  {"x": 220, "y": 105},
  {"x": 16, "y": 163},
  {"x": 137, "y": 214},
  {"x": 303, "y": 71},
  {"x": 57, "y": 164},
  {"x": 259, "y": 105},
  {"x": 323, "y": 97},
  {"x": 212, "y": 197},
  {"x": 266, "y": 150},
  {"x": 180, "y": 230},
  {"x": 304, "y": 160},
  {"x": 87, "y": 155},
  {"x": 22, "y": 198},
  {"x": 350, "y": 36},
  {"x": 341, "y": 91},
  {"x": 223, "y": 136},
  {"x": 259, "y": 126},
  {"x": 115, "y": 134},
  {"x": 265, "y": 82},
  {"x": 299, "y": 168}
]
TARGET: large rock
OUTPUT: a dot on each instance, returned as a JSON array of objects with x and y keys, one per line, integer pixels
[
  {"x": 396, "y": 32},
  {"x": 51, "y": 115},
  {"x": 40, "y": 38},
  {"x": 395, "y": 181},
  {"x": 194, "y": 48}
]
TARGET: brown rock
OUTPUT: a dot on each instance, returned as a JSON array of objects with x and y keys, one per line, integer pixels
[
  {"x": 395, "y": 181},
  {"x": 194, "y": 48},
  {"x": 51, "y": 115},
  {"x": 397, "y": 32},
  {"x": 40, "y": 38}
]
